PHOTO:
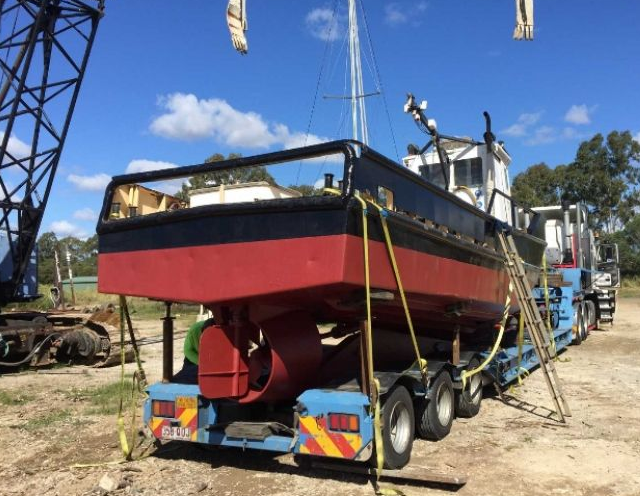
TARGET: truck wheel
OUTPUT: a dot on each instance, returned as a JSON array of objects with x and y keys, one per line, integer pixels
[
  {"x": 468, "y": 400},
  {"x": 435, "y": 413},
  {"x": 577, "y": 319},
  {"x": 397, "y": 428},
  {"x": 584, "y": 322}
]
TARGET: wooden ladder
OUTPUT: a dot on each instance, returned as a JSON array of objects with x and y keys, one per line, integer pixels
[{"x": 535, "y": 324}]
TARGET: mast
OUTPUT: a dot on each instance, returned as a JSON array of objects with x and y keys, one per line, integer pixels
[{"x": 358, "y": 108}]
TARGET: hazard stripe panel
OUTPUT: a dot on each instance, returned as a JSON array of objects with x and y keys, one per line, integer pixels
[{"x": 319, "y": 440}]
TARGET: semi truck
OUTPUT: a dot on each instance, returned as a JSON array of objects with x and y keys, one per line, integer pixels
[{"x": 577, "y": 260}]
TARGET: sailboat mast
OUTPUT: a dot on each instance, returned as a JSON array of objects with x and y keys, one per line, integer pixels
[{"x": 358, "y": 108}]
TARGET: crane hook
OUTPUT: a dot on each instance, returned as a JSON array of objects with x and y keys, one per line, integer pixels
[{"x": 237, "y": 22}]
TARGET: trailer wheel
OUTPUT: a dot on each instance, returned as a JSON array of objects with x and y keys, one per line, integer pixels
[
  {"x": 577, "y": 319},
  {"x": 435, "y": 413},
  {"x": 583, "y": 325},
  {"x": 468, "y": 400},
  {"x": 397, "y": 428}
]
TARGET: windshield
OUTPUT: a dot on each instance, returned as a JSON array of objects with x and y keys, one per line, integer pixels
[
  {"x": 433, "y": 174},
  {"x": 468, "y": 172}
]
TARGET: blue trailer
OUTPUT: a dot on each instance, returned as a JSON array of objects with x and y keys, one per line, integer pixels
[{"x": 339, "y": 421}]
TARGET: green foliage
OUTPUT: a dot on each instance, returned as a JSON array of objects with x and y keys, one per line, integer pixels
[
  {"x": 305, "y": 189},
  {"x": 628, "y": 240},
  {"x": 231, "y": 176},
  {"x": 84, "y": 256},
  {"x": 537, "y": 186},
  {"x": 604, "y": 175}
]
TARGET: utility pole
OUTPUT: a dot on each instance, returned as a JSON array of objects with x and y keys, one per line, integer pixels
[
  {"x": 59, "y": 284},
  {"x": 73, "y": 293}
]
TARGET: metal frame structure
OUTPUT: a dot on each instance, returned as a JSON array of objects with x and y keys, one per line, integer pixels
[{"x": 44, "y": 50}]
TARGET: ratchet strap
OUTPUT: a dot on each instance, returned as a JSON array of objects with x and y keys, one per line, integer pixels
[{"x": 137, "y": 388}]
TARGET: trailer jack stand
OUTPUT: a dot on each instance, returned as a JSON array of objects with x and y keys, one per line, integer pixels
[{"x": 167, "y": 344}]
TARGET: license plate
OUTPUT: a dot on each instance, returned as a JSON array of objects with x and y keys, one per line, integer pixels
[
  {"x": 176, "y": 433},
  {"x": 187, "y": 402}
]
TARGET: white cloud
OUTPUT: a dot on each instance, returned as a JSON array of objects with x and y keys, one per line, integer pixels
[
  {"x": 394, "y": 15},
  {"x": 571, "y": 133},
  {"x": 16, "y": 147},
  {"x": 170, "y": 187},
  {"x": 143, "y": 165},
  {"x": 85, "y": 214},
  {"x": 637, "y": 137},
  {"x": 579, "y": 114},
  {"x": 97, "y": 182},
  {"x": 542, "y": 136},
  {"x": 63, "y": 228},
  {"x": 325, "y": 24},
  {"x": 190, "y": 118},
  {"x": 524, "y": 123}
]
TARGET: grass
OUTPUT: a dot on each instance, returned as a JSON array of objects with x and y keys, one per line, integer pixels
[
  {"x": 630, "y": 287},
  {"x": 46, "y": 421},
  {"x": 138, "y": 307},
  {"x": 12, "y": 399},
  {"x": 102, "y": 400}
]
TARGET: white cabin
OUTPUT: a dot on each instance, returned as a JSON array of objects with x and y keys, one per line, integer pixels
[
  {"x": 474, "y": 173},
  {"x": 239, "y": 193}
]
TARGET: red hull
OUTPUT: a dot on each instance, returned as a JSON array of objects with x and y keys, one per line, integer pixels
[{"x": 311, "y": 273}]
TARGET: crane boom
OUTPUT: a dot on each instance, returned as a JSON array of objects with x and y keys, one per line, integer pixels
[{"x": 44, "y": 49}]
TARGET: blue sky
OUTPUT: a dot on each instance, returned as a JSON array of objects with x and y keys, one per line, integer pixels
[{"x": 164, "y": 86}]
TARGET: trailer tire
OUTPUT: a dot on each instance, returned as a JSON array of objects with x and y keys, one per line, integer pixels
[
  {"x": 468, "y": 400},
  {"x": 435, "y": 413},
  {"x": 398, "y": 419},
  {"x": 577, "y": 319},
  {"x": 584, "y": 329}
]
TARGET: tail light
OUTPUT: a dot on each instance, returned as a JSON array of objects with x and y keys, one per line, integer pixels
[
  {"x": 163, "y": 408},
  {"x": 343, "y": 422}
]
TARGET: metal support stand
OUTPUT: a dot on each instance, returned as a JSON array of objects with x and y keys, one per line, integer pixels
[
  {"x": 455, "y": 348},
  {"x": 167, "y": 344}
]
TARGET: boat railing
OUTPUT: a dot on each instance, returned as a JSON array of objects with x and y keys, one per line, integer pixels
[
  {"x": 347, "y": 148},
  {"x": 534, "y": 217}
]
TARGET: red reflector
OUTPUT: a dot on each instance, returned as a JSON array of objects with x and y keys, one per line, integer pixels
[
  {"x": 334, "y": 422},
  {"x": 344, "y": 422},
  {"x": 163, "y": 408}
]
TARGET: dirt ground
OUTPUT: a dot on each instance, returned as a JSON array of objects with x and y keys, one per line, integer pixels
[{"x": 47, "y": 425}]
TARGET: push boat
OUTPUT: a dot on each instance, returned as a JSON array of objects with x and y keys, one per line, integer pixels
[{"x": 274, "y": 272}]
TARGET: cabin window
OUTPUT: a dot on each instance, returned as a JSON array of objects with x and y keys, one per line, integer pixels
[
  {"x": 133, "y": 211},
  {"x": 468, "y": 172},
  {"x": 433, "y": 174},
  {"x": 385, "y": 197},
  {"x": 115, "y": 208}
]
